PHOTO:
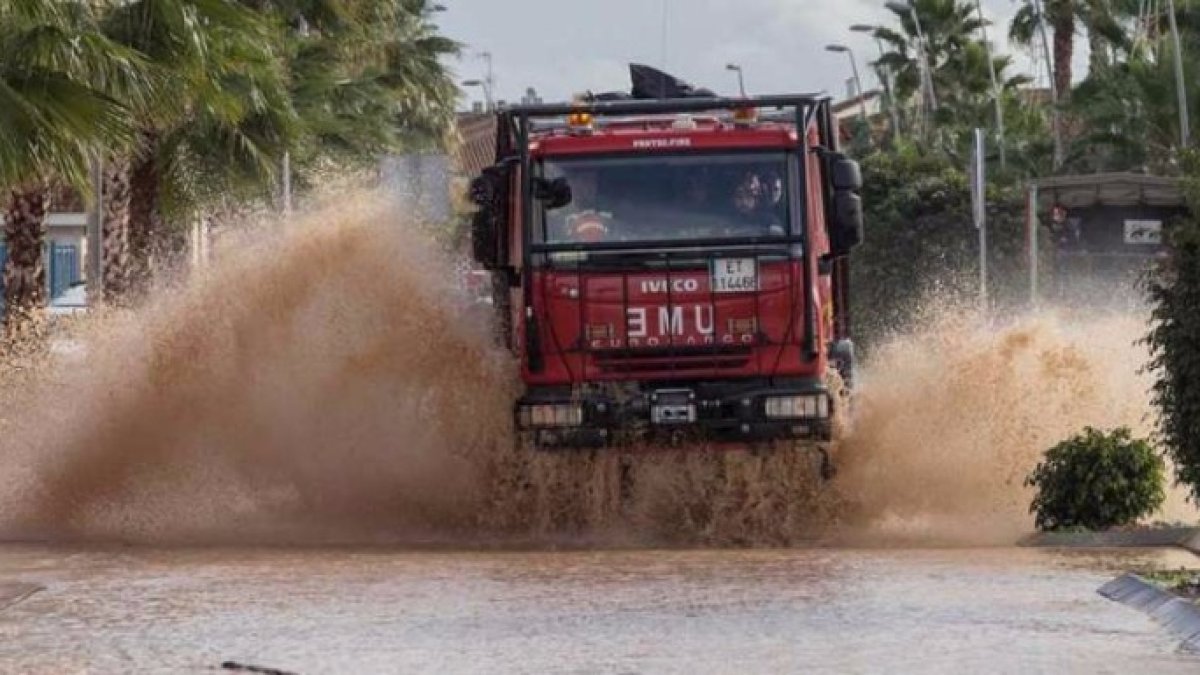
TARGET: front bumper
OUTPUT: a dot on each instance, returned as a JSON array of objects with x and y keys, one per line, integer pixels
[{"x": 721, "y": 411}]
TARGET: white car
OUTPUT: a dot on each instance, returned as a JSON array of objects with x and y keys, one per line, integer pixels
[{"x": 72, "y": 301}]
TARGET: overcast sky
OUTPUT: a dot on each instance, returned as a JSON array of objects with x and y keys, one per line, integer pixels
[{"x": 561, "y": 47}]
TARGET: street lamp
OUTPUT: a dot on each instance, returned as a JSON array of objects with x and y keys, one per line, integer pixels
[
  {"x": 862, "y": 100},
  {"x": 996, "y": 93},
  {"x": 885, "y": 75},
  {"x": 922, "y": 49},
  {"x": 741, "y": 81},
  {"x": 487, "y": 90},
  {"x": 487, "y": 83}
]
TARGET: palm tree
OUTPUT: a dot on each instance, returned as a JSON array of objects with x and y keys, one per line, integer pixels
[
  {"x": 62, "y": 87},
  {"x": 958, "y": 62},
  {"x": 213, "y": 55},
  {"x": 1129, "y": 115},
  {"x": 1099, "y": 18},
  {"x": 949, "y": 28},
  {"x": 369, "y": 80},
  {"x": 327, "y": 81}
]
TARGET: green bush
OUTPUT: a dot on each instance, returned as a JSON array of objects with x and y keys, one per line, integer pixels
[
  {"x": 1097, "y": 480},
  {"x": 1174, "y": 289},
  {"x": 921, "y": 242}
]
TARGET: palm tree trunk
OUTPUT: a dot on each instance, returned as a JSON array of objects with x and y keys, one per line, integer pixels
[
  {"x": 144, "y": 218},
  {"x": 25, "y": 272},
  {"x": 1062, "y": 20},
  {"x": 115, "y": 232}
]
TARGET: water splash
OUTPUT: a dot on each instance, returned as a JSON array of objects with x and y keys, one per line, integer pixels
[
  {"x": 333, "y": 382},
  {"x": 330, "y": 374},
  {"x": 952, "y": 418}
]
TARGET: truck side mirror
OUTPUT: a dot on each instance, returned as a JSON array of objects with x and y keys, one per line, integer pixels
[
  {"x": 554, "y": 193},
  {"x": 489, "y": 191},
  {"x": 847, "y": 224},
  {"x": 844, "y": 173},
  {"x": 846, "y": 217}
]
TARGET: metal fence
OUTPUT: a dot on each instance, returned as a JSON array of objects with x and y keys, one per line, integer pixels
[{"x": 62, "y": 268}]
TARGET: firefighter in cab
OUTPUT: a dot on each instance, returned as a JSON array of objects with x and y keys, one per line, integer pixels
[{"x": 585, "y": 222}]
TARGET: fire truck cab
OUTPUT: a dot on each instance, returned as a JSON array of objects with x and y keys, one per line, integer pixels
[{"x": 671, "y": 268}]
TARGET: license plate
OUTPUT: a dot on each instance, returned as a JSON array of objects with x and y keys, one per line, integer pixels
[{"x": 734, "y": 275}]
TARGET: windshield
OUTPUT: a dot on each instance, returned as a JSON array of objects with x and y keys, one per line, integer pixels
[{"x": 668, "y": 198}]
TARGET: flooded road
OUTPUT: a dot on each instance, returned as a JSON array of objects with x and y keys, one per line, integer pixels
[
  {"x": 305, "y": 402},
  {"x": 383, "y": 611}
]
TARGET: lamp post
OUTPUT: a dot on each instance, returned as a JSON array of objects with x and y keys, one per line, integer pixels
[
  {"x": 491, "y": 78},
  {"x": 922, "y": 50},
  {"x": 862, "y": 100},
  {"x": 1180, "y": 87},
  {"x": 885, "y": 76},
  {"x": 488, "y": 83},
  {"x": 741, "y": 80},
  {"x": 487, "y": 90}
]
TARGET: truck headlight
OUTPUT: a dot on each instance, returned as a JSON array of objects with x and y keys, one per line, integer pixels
[
  {"x": 550, "y": 415},
  {"x": 808, "y": 406}
]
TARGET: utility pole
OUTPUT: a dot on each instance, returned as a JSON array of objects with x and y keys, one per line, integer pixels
[
  {"x": 1056, "y": 116},
  {"x": 996, "y": 92},
  {"x": 1185, "y": 132}
]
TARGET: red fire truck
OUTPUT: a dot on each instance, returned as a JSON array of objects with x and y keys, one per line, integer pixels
[{"x": 671, "y": 269}]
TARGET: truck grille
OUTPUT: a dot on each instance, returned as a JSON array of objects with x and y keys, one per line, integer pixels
[{"x": 682, "y": 359}]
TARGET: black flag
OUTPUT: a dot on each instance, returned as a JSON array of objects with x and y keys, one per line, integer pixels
[{"x": 653, "y": 83}]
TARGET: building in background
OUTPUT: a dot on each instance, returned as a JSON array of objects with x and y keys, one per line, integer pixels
[
  {"x": 66, "y": 245},
  {"x": 847, "y": 112}
]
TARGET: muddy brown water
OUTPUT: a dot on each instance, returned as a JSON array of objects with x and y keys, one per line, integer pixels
[
  {"x": 714, "y": 611},
  {"x": 331, "y": 381},
  {"x": 332, "y": 385}
]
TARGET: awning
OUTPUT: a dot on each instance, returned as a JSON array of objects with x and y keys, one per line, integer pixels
[{"x": 1108, "y": 189}]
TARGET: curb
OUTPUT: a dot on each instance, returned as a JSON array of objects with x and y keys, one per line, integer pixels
[
  {"x": 1192, "y": 541},
  {"x": 1174, "y": 613},
  {"x": 1184, "y": 537},
  {"x": 12, "y": 593}
]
